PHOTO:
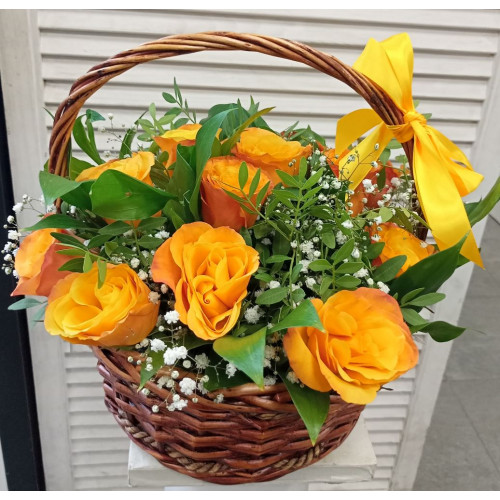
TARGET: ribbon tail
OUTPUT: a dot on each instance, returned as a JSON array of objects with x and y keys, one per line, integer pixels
[
  {"x": 439, "y": 198},
  {"x": 364, "y": 154},
  {"x": 352, "y": 126}
]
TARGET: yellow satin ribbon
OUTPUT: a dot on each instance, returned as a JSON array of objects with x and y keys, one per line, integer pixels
[{"x": 439, "y": 180}]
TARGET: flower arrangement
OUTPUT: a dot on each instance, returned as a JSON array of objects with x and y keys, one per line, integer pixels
[{"x": 221, "y": 252}]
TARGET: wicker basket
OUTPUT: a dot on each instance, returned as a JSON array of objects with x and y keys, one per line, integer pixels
[{"x": 253, "y": 435}]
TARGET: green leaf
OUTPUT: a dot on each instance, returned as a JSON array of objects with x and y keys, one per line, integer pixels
[
  {"x": 101, "y": 272},
  {"x": 479, "y": 210},
  {"x": 381, "y": 179},
  {"x": 287, "y": 179},
  {"x": 54, "y": 186},
  {"x": 67, "y": 239},
  {"x": 388, "y": 270},
  {"x": 384, "y": 157},
  {"x": 246, "y": 353},
  {"x": 344, "y": 251},
  {"x": 262, "y": 193},
  {"x": 441, "y": 331},
  {"x": 87, "y": 262},
  {"x": 77, "y": 166},
  {"x": 426, "y": 300},
  {"x": 277, "y": 258},
  {"x": 412, "y": 317},
  {"x": 304, "y": 314},
  {"x": 230, "y": 142},
  {"x": 272, "y": 296},
  {"x": 169, "y": 97},
  {"x": 430, "y": 273},
  {"x": 157, "y": 363},
  {"x": 57, "y": 221},
  {"x": 349, "y": 267},
  {"x": 184, "y": 178},
  {"x": 116, "y": 228},
  {"x": 73, "y": 265},
  {"x": 204, "y": 142},
  {"x": 320, "y": 265},
  {"x": 328, "y": 239},
  {"x": 150, "y": 242},
  {"x": 386, "y": 214},
  {"x": 243, "y": 175},
  {"x": 218, "y": 379},
  {"x": 118, "y": 196},
  {"x": 374, "y": 250},
  {"x": 25, "y": 303},
  {"x": 410, "y": 295},
  {"x": 151, "y": 223},
  {"x": 311, "y": 405},
  {"x": 347, "y": 282}
]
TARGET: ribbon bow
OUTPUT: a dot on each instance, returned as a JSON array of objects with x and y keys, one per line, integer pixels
[{"x": 439, "y": 180}]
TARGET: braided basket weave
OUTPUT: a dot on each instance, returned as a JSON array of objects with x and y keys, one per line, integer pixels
[{"x": 254, "y": 435}]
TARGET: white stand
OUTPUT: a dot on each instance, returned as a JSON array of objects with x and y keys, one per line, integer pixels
[{"x": 353, "y": 461}]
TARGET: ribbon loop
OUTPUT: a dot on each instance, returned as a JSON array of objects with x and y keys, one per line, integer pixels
[{"x": 406, "y": 132}]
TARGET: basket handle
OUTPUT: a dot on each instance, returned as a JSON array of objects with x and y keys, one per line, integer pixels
[{"x": 176, "y": 45}]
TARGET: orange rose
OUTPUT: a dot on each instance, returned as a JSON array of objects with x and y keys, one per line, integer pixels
[
  {"x": 185, "y": 136},
  {"x": 118, "y": 313},
  {"x": 366, "y": 345},
  {"x": 217, "y": 207},
  {"x": 209, "y": 270},
  {"x": 37, "y": 263},
  {"x": 398, "y": 241},
  {"x": 138, "y": 167},
  {"x": 270, "y": 152}
]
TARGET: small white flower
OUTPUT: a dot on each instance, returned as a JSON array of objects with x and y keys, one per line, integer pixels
[
  {"x": 356, "y": 254},
  {"x": 340, "y": 237},
  {"x": 293, "y": 244},
  {"x": 143, "y": 275},
  {"x": 175, "y": 374},
  {"x": 369, "y": 281},
  {"x": 201, "y": 361},
  {"x": 380, "y": 203},
  {"x": 364, "y": 200},
  {"x": 144, "y": 342},
  {"x": 186, "y": 364},
  {"x": 269, "y": 381},
  {"x": 396, "y": 182},
  {"x": 369, "y": 187},
  {"x": 111, "y": 116},
  {"x": 154, "y": 297},
  {"x": 347, "y": 224},
  {"x": 361, "y": 273},
  {"x": 157, "y": 345},
  {"x": 164, "y": 288},
  {"x": 194, "y": 400},
  {"x": 11, "y": 219},
  {"x": 162, "y": 381},
  {"x": 149, "y": 367},
  {"x": 155, "y": 409},
  {"x": 230, "y": 370},
  {"x": 377, "y": 146},
  {"x": 187, "y": 386},
  {"x": 383, "y": 286},
  {"x": 8, "y": 257},
  {"x": 305, "y": 265},
  {"x": 274, "y": 284},
  {"x": 386, "y": 197},
  {"x": 265, "y": 241},
  {"x": 135, "y": 262},
  {"x": 375, "y": 237},
  {"x": 18, "y": 207},
  {"x": 374, "y": 164},
  {"x": 13, "y": 235},
  {"x": 292, "y": 377},
  {"x": 163, "y": 235},
  {"x": 146, "y": 391},
  {"x": 219, "y": 398},
  {"x": 130, "y": 359},
  {"x": 253, "y": 314},
  {"x": 172, "y": 317},
  {"x": 310, "y": 282},
  {"x": 336, "y": 184}
]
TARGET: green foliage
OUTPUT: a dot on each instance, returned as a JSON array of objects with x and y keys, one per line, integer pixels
[
  {"x": 304, "y": 314},
  {"x": 480, "y": 209},
  {"x": 84, "y": 134},
  {"x": 246, "y": 353},
  {"x": 25, "y": 303},
  {"x": 312, "y": 406}
]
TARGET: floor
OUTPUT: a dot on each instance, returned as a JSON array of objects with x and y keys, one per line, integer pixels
[{"x": 462, "y": 448}]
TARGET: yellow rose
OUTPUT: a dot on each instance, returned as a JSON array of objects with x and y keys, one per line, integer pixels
[
  {"x": 185, "y": 136},
  {"x": 118, "y": 313},
  {"x": 137, "y": 166},
  {"x": 217, "y": 207},
  {"x": 398, "y": 241},
  {"x": 209, "y": 270},
  {"x": 270, "y": 152},
  {"x": 37, "y": 263},
  {"x": 366, "y": 345}
]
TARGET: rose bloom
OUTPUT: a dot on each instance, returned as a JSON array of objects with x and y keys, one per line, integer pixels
[
  {"x": 366, "y": 345},
  {"x": 184, "y": 135},
  {"x": 118, "y": 313},
  {"x": 270, "y": 152},
  {"x": 209, "y": 270},
  {"x": 217, "y": 207},
  {"x": 137, "y": 166},
  {"x": 37, "y": 263},
  {"x": 398, "y": 241}
]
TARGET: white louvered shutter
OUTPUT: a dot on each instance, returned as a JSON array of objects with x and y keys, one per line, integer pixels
[{"x": 454, "y": 61}]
